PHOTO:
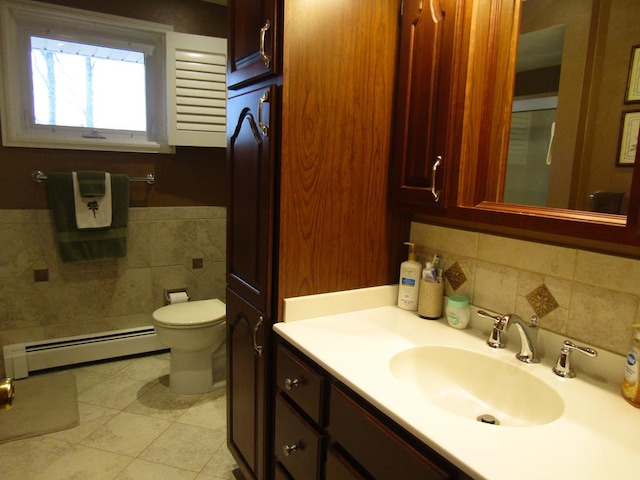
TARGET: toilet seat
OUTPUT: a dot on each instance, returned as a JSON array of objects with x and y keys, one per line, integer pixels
[{"x": 194, "y": 314}]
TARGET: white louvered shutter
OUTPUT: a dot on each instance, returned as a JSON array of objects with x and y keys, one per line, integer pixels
[{"x": 197, "y": 90}]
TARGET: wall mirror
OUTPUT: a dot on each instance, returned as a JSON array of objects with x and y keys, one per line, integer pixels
[
  {"x": 572, "y": 72},
  {"x": 535, "y": 154}
]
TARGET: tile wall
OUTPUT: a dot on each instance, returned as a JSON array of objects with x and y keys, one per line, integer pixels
[
  {"x": 589, "y": 297},
  {"x": 167, "y": 248}
]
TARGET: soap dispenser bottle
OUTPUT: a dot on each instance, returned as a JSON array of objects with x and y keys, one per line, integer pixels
[
  {"x": 630, "y": 387},
  {"x": 409, "y": 283}
]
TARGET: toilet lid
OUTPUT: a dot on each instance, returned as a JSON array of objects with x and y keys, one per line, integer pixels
[{"x": 194, "y": 313}]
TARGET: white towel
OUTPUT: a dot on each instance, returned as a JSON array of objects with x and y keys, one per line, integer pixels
[{"x": 92, "y": 212}]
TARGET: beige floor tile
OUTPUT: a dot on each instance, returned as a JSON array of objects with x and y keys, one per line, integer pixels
[
  {"x": 185, "y": 446},
  {"x": 221, "y": 465},
  {"x": 160, "y": 402},
  {"x": 143, "y": 470},
  {"x": 85, "y": 379},
  {"x": 85, "y": 463},
  {"x": 210, "y": 411},
  {"x": 114, "y": 392},
  {"x": 24, "y": 459},
  {"x": 127, "y": 433},
  {"x": 127, "y": 410},
  {"x": 109, "y": 368},
  {"x": 91, "y": 417},
  {"x": 146, "y": 369}
]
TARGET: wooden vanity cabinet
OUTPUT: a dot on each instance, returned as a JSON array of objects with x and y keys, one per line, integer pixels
[
  {"x": 428, "y": 92},
  {"x": 323, "y": 430}
]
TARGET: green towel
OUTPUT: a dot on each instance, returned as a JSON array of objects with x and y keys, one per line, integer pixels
[
  {"x": 78, "y": 245},
  {"x": 91, "y": 183}
]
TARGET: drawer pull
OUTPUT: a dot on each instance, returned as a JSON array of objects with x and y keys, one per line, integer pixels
[
  {"x": 289, "y": 449},
  {"x": 263, "y": 32},
  {"x": 434, "y": 192},
  {"x": 291, "y": 384}
]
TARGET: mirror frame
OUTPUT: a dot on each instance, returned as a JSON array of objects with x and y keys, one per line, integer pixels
[{"x": 480, "y": 173}]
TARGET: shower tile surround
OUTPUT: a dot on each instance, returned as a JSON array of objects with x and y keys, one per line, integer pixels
[
  {"x": 590, "y": 297},
  {"x": 110, "y": 294}
]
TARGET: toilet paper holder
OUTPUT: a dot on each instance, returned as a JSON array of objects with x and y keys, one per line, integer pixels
[{"x": 167, "y": 291}]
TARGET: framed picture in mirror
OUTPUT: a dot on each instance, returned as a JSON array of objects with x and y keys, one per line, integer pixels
[
  {"x": 628, "y": 138},
  {"x": 633, "y": 83}
]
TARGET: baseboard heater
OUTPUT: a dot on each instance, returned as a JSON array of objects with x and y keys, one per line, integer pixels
[{"x": 20, "y": 359}]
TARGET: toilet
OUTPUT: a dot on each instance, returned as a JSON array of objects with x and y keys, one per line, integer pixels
[{"x": 195, "y": 332}]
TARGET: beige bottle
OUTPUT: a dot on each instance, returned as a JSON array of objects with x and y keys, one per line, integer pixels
[{"x": 630, "y": 388}]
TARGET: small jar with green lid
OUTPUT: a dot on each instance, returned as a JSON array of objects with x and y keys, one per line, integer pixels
[{"x": 458, "y": 312}]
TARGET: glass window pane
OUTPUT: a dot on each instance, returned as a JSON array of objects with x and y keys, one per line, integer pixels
[{"x": 81, "y": 85}]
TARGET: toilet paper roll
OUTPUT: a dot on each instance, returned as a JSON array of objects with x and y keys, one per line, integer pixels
[{"x": 178, "y": 297}]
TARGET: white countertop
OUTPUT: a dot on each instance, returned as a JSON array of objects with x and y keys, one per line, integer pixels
[{"x": 596, "y": 437}]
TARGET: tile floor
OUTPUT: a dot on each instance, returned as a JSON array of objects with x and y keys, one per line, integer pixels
[{"x": 131, "y": 428}]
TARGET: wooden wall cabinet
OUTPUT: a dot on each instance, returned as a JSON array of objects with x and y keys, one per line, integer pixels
[
  {"x": 251, "y": 161},
  {"x": 308, "y": 168},
  {"x": 431, "y": 63},
  {"x": 254, "y": 41},
  {"x": 252, "y": 152},
  {"x": 248, "y": 412},
  {"x": 325, "y": 431}
]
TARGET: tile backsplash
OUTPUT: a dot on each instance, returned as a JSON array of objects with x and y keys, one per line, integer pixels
[
  {"x": 168, "y": 247},
  {"x": 590, "y": 297}
]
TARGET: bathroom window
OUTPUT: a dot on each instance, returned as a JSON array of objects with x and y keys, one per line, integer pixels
[{"x": 82, "y": 80}]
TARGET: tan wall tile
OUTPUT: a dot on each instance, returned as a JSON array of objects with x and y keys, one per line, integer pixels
[
  {"x": 531, "y": 256},
  {"x": 88, "y": 297}
]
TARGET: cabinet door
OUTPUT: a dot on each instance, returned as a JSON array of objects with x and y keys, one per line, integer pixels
[
  {"x": 253, "y": 40},
  {"x": 423, "y": 101},
  {"x": 247, "y": 423},
  {"x": 250, "y": 164},
  {"x": 380, "y": 451}
]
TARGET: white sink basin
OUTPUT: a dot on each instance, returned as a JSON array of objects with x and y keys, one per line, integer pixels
[{"x": 470, "y": 384}]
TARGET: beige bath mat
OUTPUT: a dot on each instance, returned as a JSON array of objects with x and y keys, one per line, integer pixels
[{"x": 43, "y": 404}]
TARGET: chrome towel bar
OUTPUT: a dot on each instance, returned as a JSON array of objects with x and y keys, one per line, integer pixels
[{"x": 39, "y": 176}]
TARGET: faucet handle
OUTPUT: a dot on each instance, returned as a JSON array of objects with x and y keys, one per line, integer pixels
[
  {"x": 564, "y": 367},
  {"x": 482, "y": 313},
  {"x": 496, "y": 339}
]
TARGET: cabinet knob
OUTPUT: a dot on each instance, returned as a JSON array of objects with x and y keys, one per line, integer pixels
[
  {"x": 289, "y": 449},
  {"x": 289, "y": 383}
]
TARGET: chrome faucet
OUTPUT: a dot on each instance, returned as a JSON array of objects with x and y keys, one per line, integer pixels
[{"x": 526, "y": 330}]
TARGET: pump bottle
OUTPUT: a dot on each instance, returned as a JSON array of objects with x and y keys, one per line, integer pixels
[
  {"x": 630, "y": 388},
  {"x": 409, "y": 283}
]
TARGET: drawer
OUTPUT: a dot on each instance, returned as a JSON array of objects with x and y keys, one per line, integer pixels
[
  {"x": 380, "y": 451},
  {"x": 280, "y": 473},
  {"x": 297, "y": 445},
  {"x": 300, "y": 383},
  {"x": 337, "y": 468}
]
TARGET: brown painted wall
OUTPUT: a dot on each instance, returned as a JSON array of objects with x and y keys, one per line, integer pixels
[{"x": 191, "y": 176}]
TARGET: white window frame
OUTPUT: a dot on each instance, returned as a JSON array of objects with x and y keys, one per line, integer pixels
[{"x": 20, "y": 19}]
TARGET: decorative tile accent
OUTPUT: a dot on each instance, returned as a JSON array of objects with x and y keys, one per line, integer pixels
[
  {"x": 455, "y": 275},
  {"x": 542, "y": 301},
  {"x": 197, "y": 263}
]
